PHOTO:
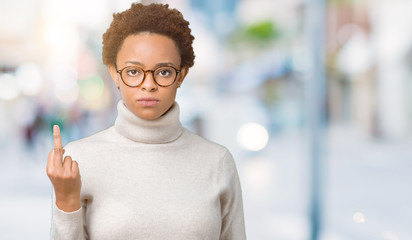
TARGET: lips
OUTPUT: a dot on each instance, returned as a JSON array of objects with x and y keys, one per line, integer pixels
[{"x": 148, "y": 101}]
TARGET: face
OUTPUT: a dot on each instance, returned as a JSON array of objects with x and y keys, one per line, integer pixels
[{"x": 146, "y": 50}]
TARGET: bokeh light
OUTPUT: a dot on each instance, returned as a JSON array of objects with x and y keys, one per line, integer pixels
[
  {"x": 358, "y": 217},
  {"x": 253, "y": 136},
  {"x": 9, "y": 89},
  {"x": 29, "y": 79},
  {"x": 91, "y": 92},
  {"x": 64, "y": 76},
  {"x": 91, "y": 88},
  {"x": 68, "y": 95}
]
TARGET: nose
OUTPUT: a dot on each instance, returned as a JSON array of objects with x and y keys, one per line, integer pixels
[{"x": 149, "y": 83}]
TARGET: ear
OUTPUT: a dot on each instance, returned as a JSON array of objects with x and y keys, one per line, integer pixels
[
  {"x": 114, "y": 74},
  {"x": 182, "y": 76}
]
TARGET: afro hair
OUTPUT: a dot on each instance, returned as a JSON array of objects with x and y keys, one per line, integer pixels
[{"x": 153, "y": 18}]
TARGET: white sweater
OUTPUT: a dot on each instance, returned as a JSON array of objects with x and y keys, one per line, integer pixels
[{"x": 152, "y": 180}]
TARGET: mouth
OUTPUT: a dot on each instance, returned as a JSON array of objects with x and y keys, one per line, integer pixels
[{"x": 148, "y": 102}]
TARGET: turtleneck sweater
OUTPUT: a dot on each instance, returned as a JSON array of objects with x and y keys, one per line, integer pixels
[{"x": 152, "y": 180}]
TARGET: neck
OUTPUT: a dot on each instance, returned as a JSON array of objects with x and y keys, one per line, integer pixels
[{"x": 164, "y": 129}]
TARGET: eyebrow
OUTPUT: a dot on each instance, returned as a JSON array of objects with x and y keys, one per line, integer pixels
[{"x": 161, "y": 64}]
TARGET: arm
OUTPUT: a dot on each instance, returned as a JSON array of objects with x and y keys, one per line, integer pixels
[
  {"x": 68, "y": 225},
  {"x": 233, "y": 225}
]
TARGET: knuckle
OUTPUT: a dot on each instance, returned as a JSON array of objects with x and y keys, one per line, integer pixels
[
  {"x": 57, "y": 151},
  {"x": 65, "y": 175},
  {"x": 56, "y": 173},
  {"x": 52, "y": 174},
  {"x": 69, "y": 176}
]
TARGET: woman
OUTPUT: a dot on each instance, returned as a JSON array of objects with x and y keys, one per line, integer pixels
[{"x": 146, "y": 177}]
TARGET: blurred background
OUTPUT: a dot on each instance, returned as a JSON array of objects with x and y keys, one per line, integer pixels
[{"x": 313, "y": 99}]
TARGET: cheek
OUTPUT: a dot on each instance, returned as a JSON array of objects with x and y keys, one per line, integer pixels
[
  {"x": 172, "y": 93},
  {"x": 126, "y": 92},
  {"x": 168, "y": 97}
]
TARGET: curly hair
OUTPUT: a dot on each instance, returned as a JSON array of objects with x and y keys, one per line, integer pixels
[{"x": 154, "y": 18}]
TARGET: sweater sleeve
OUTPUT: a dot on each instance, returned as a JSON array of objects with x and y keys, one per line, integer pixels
[
  {"x": 67, "y": 225},
  {"x": 233, "y": 224}
]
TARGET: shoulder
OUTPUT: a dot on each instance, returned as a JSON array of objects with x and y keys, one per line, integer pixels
[
  {"x": 201, "y": 142},
  {"x": 206, "y": 148},
  {"x": 215, "y": 155},
  {"x": 210, "y": 154}
]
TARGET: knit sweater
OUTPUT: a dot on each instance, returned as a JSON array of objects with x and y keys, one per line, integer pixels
[{"x": 152, "y": 180}]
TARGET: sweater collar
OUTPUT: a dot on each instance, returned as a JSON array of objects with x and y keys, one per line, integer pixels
[{"x": 165, "y": 129}]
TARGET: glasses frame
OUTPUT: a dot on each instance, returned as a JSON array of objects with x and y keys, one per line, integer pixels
[{"x": 144, "y": 75}]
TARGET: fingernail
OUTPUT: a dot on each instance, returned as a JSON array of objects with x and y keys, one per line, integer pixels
[{"x": 55, "y": 128}]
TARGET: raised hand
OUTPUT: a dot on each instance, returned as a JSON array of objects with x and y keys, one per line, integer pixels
[{"x": 64, "y": 175}]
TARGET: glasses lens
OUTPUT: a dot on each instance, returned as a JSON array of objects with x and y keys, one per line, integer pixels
[
  {"x": 133, "y": 76},
  {"x": 165, "y": 76}
]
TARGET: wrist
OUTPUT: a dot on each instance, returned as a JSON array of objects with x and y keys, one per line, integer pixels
[{"x": 68, "y": 203}]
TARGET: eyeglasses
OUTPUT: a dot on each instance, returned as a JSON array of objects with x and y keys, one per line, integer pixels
[{"x": 134, "y": 76}]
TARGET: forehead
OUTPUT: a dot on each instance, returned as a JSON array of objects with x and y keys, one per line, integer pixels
[{"x": 148, "y": 49}]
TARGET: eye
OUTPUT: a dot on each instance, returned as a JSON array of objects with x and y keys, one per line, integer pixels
[
  {"x": 164, "y": 72},
  {"x": 133, "y": 72}
]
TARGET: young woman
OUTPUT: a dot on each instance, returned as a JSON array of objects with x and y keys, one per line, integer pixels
[{"x": 146, "y": 177}]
